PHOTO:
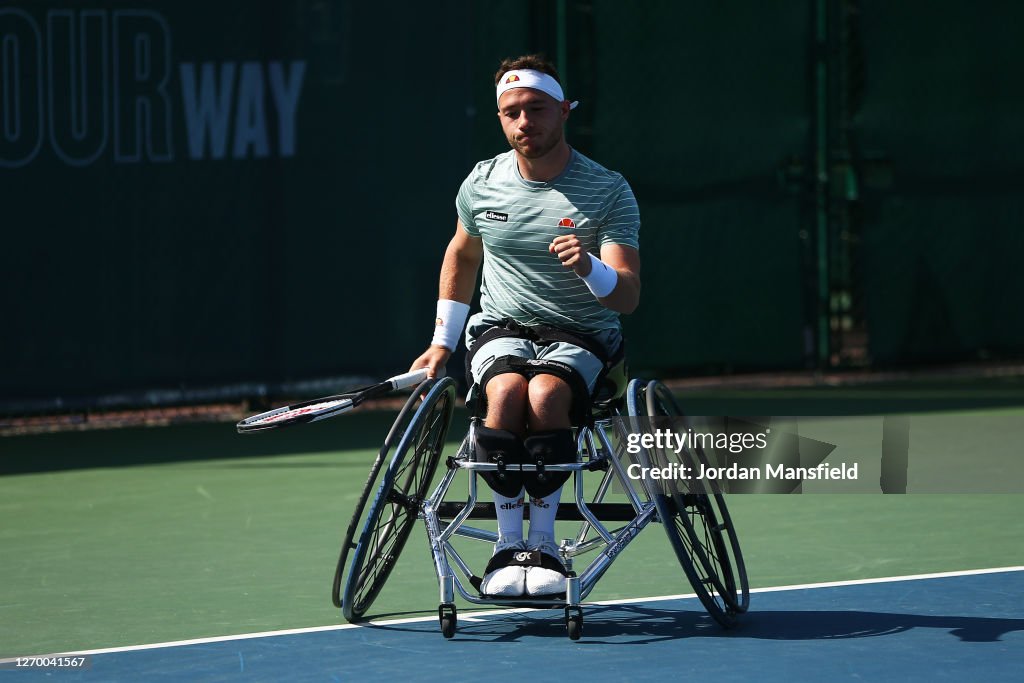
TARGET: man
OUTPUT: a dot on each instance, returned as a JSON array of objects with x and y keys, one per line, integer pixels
[{"x": 557, "y": 235}]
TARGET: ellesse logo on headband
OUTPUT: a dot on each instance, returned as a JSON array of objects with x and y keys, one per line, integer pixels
[{"x": 512, "y": 79}]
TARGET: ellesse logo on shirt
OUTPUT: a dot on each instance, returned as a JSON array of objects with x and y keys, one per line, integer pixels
[{"x": 495, "y": 216}]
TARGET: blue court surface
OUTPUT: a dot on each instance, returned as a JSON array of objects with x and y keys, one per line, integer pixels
[{"x": 949, "y": 627}]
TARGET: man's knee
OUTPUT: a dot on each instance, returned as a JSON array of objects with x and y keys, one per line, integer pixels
[
  {"x": 550, "y": 388},
  {"x": 558, "y": 394},
  {"x": 507, "y": 396},
  {"x": 550, "y": 401},
  {"x": 508, "y": 387}
]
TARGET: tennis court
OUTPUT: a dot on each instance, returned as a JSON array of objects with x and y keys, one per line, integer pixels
[
  {"x": 959, "y": 626},
  {"x": 211, "y": 210},
  {"x": 122, "y": 538}
]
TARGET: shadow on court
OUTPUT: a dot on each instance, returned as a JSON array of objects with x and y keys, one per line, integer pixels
[{"x": 632, "y": 625}]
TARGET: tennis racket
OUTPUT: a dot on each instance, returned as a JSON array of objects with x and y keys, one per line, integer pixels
[{"x": 328, "y": 406}]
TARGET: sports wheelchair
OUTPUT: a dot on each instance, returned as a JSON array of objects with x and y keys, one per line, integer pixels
[{"x": 398, "y": 493}]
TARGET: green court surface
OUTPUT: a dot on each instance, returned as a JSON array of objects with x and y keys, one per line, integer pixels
[{"x": 130, "y": 536}]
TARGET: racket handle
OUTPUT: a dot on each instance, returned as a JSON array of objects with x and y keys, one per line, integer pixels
[{"x": 408, "y": 379}]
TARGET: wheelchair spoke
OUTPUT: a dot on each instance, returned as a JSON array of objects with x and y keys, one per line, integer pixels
[{"x": 387, "y": 534}]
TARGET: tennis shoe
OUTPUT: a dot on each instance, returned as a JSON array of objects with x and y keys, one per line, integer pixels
[
  {"x": 548, "y": 578},
  {"x": 501, "y": 580}
]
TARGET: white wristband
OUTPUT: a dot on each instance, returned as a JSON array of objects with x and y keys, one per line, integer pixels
[
  {"x": 451, "y": 317},
  {"x": 602, "y": 278}
]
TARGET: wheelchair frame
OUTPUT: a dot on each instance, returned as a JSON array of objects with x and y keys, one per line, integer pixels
[{"x": 698, "y": 523}]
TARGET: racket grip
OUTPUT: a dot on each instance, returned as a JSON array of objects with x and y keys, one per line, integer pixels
[{"x": 408, "y": 379}]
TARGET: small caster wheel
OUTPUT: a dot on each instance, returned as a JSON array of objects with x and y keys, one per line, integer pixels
[
  {"x": 574, "y": 622},
  {"x": 446, "y": 615}
]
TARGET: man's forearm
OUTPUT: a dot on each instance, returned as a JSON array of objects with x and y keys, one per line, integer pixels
[
  {"x": 626, "y": 295},
  {"x": 458, "y": 276}
]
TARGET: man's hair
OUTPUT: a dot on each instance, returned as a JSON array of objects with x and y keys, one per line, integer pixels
[{"x": 536, "y": 62}]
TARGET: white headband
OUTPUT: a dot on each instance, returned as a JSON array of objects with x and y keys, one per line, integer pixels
[{"x": 528, "y": 78}]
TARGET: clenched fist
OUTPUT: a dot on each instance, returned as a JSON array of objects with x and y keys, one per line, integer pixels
[{"x": 571, "y": 253}]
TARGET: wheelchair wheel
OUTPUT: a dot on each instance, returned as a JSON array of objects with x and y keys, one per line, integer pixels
[
  {"x": 699, "y": 526},
  {"x": 660, "y": 401},
  {"x": 696, "y": 535},
  {"x": 636, "y": 398},
  {"x": 396, "y": 432},
  {"x": 404, "y": 484}
]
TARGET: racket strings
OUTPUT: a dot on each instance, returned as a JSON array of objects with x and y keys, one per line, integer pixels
[{"x": 293, "y": 413}]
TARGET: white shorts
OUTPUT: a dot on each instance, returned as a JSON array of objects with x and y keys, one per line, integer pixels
[{"x": 581, "y": 360}]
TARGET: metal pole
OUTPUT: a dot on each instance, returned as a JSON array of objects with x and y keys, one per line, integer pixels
[{"x": 822, "y": 179}]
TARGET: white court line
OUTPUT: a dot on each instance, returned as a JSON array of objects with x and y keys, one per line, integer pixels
[{"x": 480, "y": 615}]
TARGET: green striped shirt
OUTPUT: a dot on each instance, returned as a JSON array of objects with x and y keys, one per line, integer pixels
[{"x": 517, "y": 220}]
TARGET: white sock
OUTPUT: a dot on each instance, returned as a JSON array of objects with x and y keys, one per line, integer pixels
[
  {"x": 510, "y": 518},
  {"x": 542, "y": 518}
]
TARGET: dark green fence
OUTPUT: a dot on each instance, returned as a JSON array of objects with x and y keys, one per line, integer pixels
[
  {"x": 206, "y": 199},
  {"x": 942, "y": 239},
  {"x": 258, "y": 193}
]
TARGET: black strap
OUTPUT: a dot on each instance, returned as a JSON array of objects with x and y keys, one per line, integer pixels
[
  {"x": 510, "y": 557},
  {"x": 513, "y": 557}
]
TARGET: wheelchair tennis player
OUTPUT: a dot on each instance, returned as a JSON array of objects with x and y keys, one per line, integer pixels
[{"x": 557, "y": 236}]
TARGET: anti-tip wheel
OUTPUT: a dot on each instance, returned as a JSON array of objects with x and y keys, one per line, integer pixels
[
  {"x": 574, "y": 622},
  {"x": 449, "y": 619}
]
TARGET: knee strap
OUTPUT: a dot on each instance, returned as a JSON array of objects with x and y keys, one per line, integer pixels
[
  {"x": 505, "y": 448},
  {"x": 556, "y": 447},
  {"x": 579, "y": 413}
]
